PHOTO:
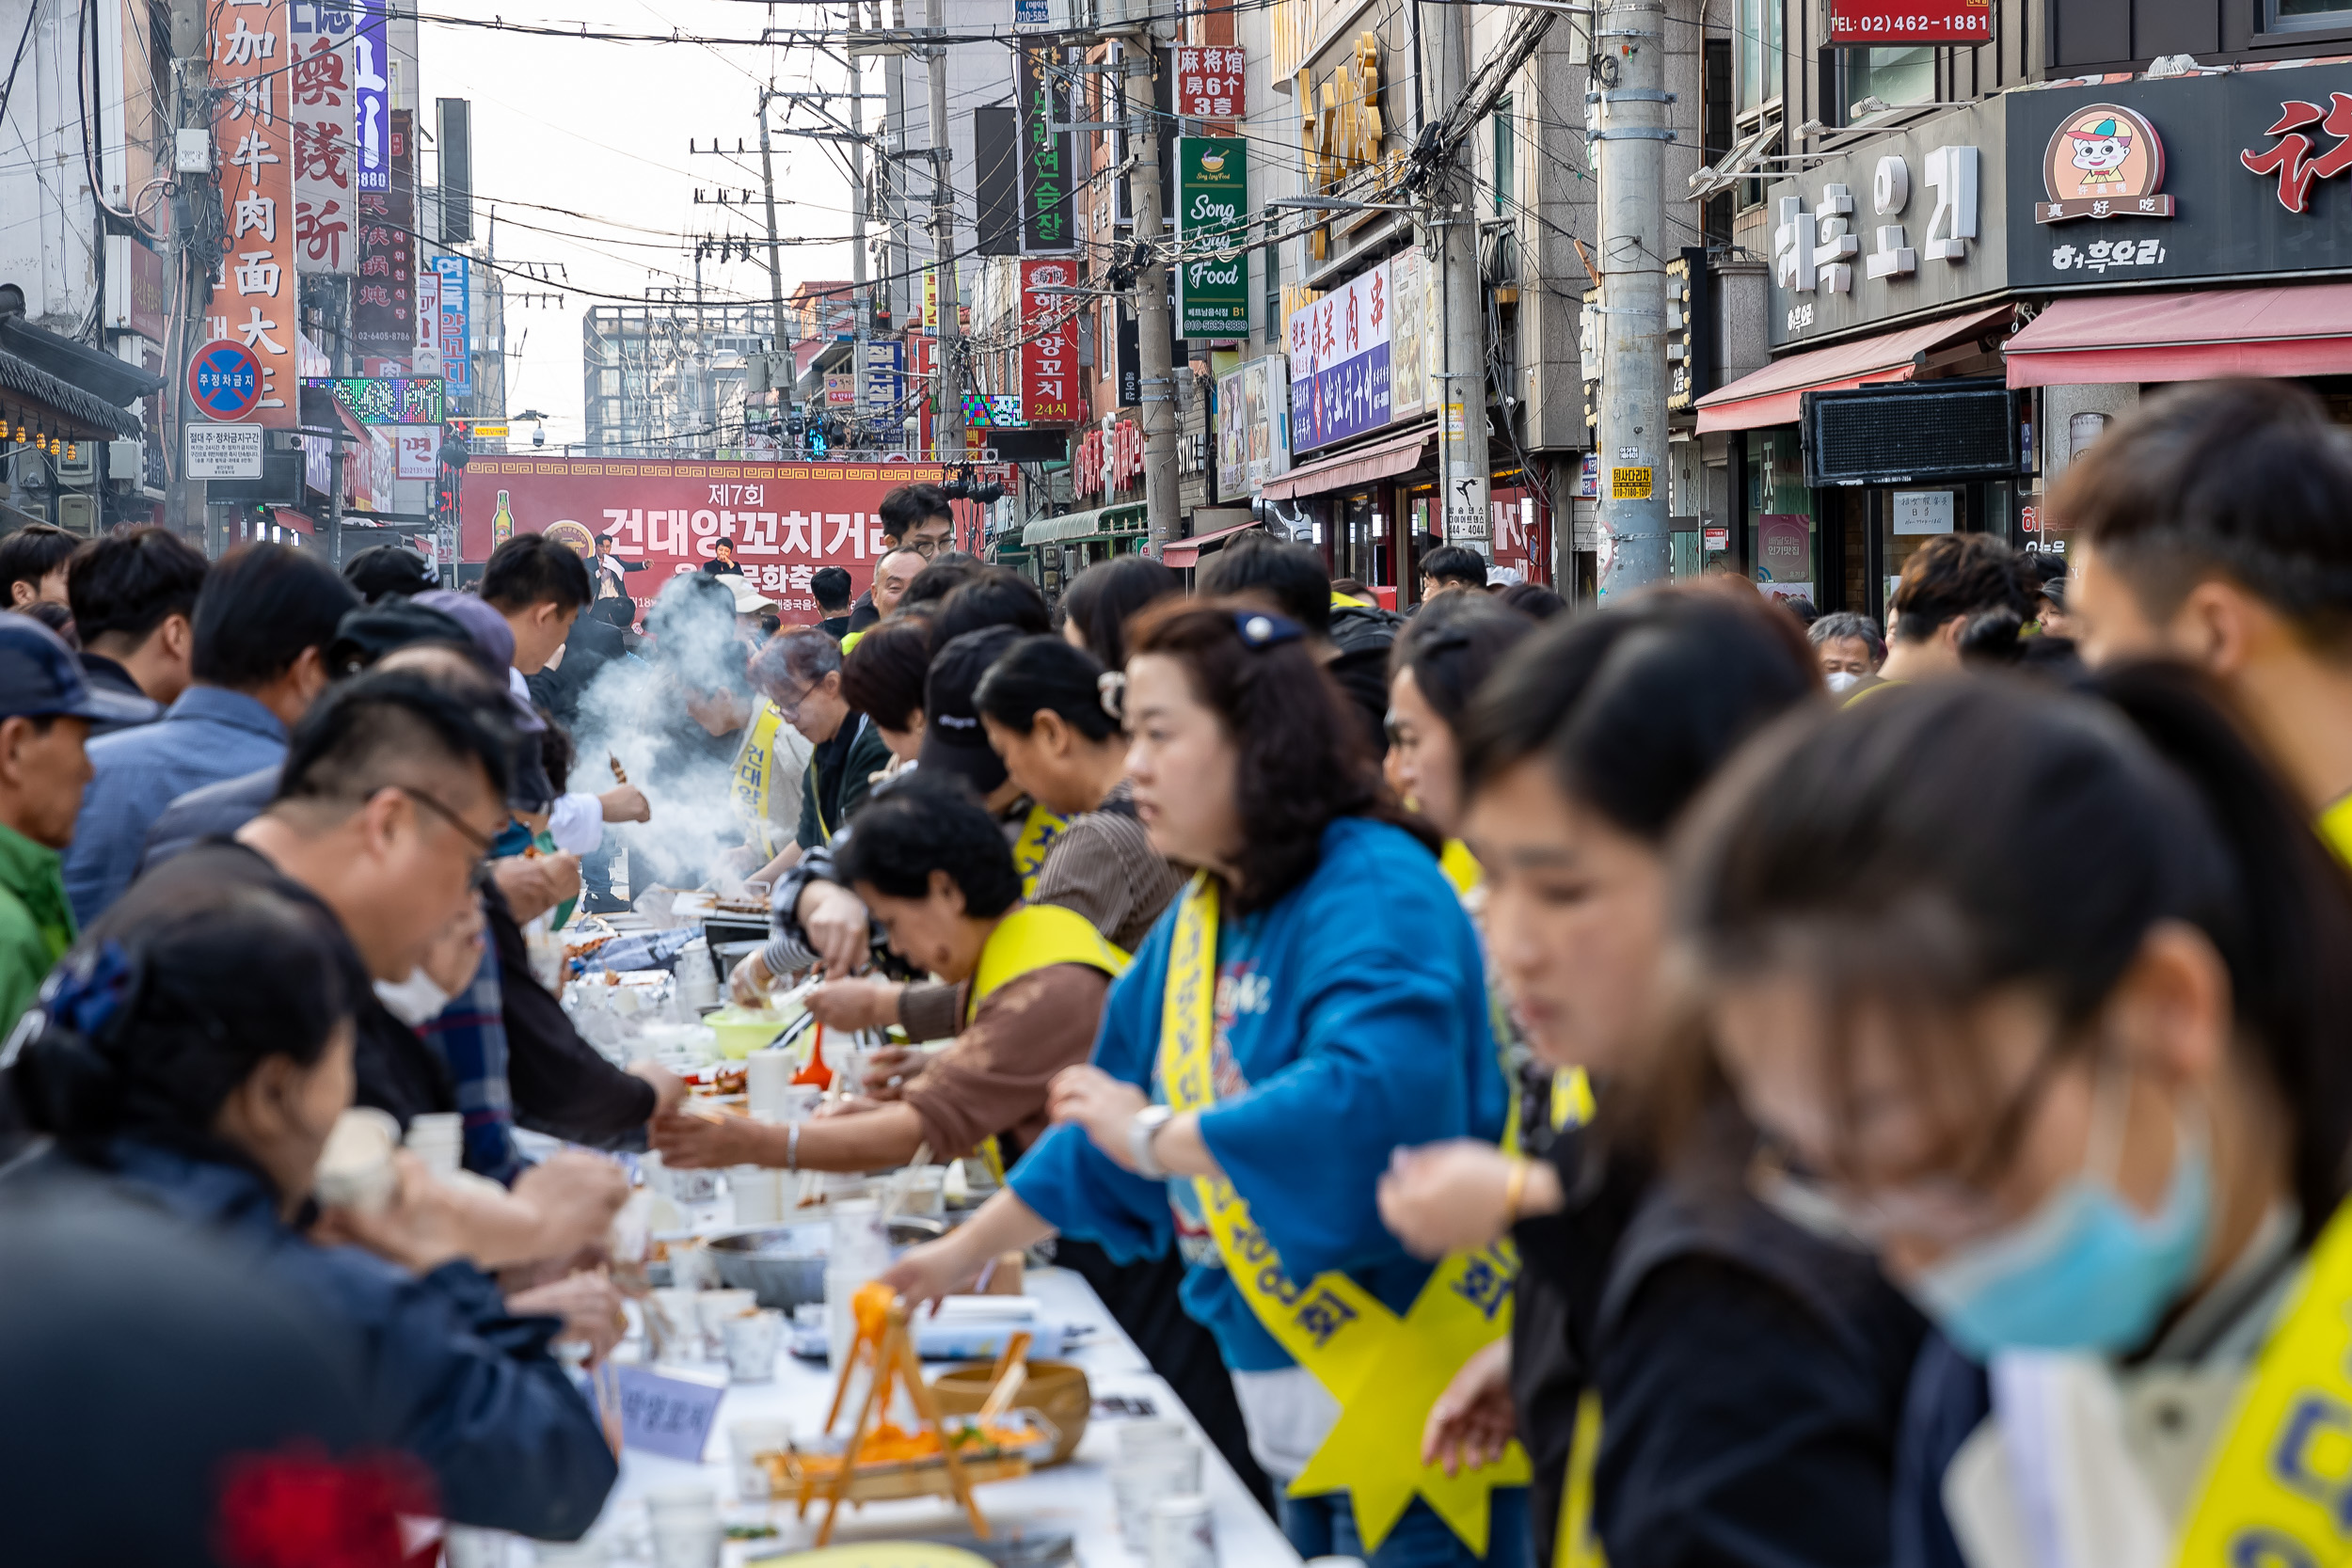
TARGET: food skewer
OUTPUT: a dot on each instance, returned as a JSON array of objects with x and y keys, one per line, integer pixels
[{"x": 619, "y": 774}]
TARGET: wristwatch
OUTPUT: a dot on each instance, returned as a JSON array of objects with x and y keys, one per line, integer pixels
[{"x": 1141, "y": 1128}]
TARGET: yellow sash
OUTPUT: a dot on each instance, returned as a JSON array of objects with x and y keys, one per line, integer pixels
[
  {"x": 2335, "y": 826},
  {"x": 1460, "y": 867},
  {"x": 755, "y": 766},
  {"x": 2278, "y": 1490},
  {"x": 1384, "y": 1370},
  {"x": 1034, "y": 937},
  {"x": 1038, "y": 832}
]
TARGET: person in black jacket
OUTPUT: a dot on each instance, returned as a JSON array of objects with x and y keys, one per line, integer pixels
[
  {"x": 195, "y": 1051},
  {"x": 1351, "y": 638},
  {"x": 1747, "y": 1375}
]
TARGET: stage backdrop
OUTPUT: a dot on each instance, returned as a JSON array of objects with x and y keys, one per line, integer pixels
[{"x": 787, "y": 519}]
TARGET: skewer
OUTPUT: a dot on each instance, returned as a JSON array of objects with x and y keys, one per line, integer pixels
[{"x": 619, "y": 774}]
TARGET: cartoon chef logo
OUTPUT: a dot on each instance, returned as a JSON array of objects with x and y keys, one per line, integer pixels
[{"x": 2103, "y": 161}]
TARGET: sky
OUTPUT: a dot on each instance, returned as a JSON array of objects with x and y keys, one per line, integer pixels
[{"x": 603, "y": 129}]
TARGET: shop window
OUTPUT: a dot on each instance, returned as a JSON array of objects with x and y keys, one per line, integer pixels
[
  {"x": 1893, "y": 76},
  {"x": 1784, "y": 540}
]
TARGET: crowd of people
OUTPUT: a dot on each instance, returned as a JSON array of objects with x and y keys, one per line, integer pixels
[{"x": 1679, "y": 1082}]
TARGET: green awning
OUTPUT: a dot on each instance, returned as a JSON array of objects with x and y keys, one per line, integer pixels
[{"x": 1104, "y": 520}]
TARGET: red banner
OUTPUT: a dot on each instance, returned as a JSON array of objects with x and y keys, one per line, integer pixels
[
  {"x": 1209, "y": 82},
  {"x": 255, "y": 297},
  {"x": 785, "y": 519},
  {"x": 1860, "y": 23},
  {"x": 1049, "y": 345}
]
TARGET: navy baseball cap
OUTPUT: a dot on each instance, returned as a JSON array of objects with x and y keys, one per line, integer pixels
[
  {"x": 41, "y": 677},
  {"x": 954, "y": 740}
]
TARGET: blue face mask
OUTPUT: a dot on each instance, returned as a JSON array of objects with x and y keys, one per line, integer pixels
[{"x": 2086, "y": 1270}]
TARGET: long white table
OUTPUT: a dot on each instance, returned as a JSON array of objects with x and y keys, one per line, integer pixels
[{"x": 1073, "y": 1498}]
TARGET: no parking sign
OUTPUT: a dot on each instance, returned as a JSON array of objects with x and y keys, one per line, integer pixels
[{"x": 225, "y": 379}]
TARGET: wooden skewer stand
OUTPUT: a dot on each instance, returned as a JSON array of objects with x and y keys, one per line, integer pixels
[{"x": 892, "y": 1356}]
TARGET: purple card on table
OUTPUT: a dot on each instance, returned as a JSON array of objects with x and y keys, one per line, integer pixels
[{"x": 668, "y": 1415}]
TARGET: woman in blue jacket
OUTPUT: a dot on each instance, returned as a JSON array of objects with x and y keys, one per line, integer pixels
[
  {"x": 1310, "y": 1005},
  {"x": 194, "y": 1053}
]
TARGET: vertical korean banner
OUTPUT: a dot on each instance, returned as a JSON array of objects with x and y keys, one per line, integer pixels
[
  {"x": 456, "y": 324},
  {"x": 255, "y": 299},
  {"x": 1213, "y": 205},
  {"x": 383, "y": 299},
  {"x": 1049, "y": 349},
  {"x": 320, "y": 113},
  {"x": 1048, "y": 178},
  {"x": 885, "y": 361},
  {"x": 372, "y": 130}
]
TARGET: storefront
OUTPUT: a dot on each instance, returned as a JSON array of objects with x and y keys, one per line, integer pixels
[
  {"x": 1960, "y": 307},
  {"x": 1347, "y": 506},
  {"x": 1057, "y": 549}
]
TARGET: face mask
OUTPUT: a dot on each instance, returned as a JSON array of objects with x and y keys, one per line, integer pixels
[
  {"x": 1840, "y": 680},
  {"x": 2086, "y": 1270},
  {"x": 415, "y": 1000}
]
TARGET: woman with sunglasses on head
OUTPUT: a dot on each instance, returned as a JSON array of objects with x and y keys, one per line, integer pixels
[
  {"x": 193, "y": 1053},
  {"x": 2101, "y": 1142},
  {"x": 1696, "y": 1379},
  {"x": 1308, "y": 1005}
]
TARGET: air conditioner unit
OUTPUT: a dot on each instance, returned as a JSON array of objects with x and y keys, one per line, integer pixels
[{"x": 126, "y": 462}]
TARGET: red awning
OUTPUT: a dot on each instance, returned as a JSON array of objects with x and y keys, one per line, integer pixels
[
  {"x": 1768, "y": 396},
  {"x": 1186, "y": 552},
  {"x": 2298, "y": 330},
  {"x": 292, "y": 521},
  {"x": 1398, "y": 454}
]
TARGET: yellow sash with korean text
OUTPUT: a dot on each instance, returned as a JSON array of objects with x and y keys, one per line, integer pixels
[
  {"x": 1038, "y": 832},
  {"x": 1035, "y": 937},
  {"x": 2278, "y": 1490},
  {"x": 1385, "y": 1372},
  {"x": 755, "y": 769}
]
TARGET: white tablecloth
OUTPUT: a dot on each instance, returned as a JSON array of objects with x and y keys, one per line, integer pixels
[{"x": 1072, "y": 1498}]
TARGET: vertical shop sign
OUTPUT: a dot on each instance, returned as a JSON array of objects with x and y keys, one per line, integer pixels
[
  {"x": 1338, "y": 352},
  {"x": 456, "y": 322},
  {"x": 1410, "y": 394},
  {"x": 320, "y": 115},
  {"x": 428, "y": 357},
  {"x": 1209, "y": 82},
  {"x": 254, "y": 296},
  {"x": 383, "y": 297},
  {"x": 1232, "y": 436},
  {"x": 1048, "y": 180},
  {"x": 1212, "y": 204},
  {"x": 885, "y": 361},
  {"x": 1049, "y": 347},
  {"x": 372, "y": 130}
]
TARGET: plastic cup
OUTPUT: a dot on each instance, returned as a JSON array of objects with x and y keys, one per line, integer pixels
[
  {"x": 1139, "y": 1480},
  {"x": 758, "y": 1192},
  {"x": 681, "y": 1321},
  {"x": 768, "y": 1083},
  {"x": 715, "y": 1308},
  {"x": 1152, "y": 1432},
  {"x": 685, "y": 1527},
  {"x": 1183, "y": 1535},
  {"x": 750, "y": 1344},
  {"x": 746, "y": 1440}
]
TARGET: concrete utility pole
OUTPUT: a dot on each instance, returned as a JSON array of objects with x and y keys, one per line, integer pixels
[
  {"x": 896, "y": 249},
  {"x": 185, "y": 501},
  {"x": 1161, "y": 499},
  {"x": 1465, "y": 471},
  {"x": 864, "y": 325},
  {"x": 1630, "y": 75},
  {"x": 776, "y": 269},
  {"x": 949, "y": 425}
]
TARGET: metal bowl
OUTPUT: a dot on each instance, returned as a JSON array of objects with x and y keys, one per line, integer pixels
[{"x": 785, "y": 1264}]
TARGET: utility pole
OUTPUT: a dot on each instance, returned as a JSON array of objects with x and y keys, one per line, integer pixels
[
  {"x": 864, "y": 325},
  {"x": 1162, "y": 500},
  {"x": 193, "y": 255},
  {"x": 1463, "y": 468},
  {"x": 776, "y": 267},
  {"x": 1629, "y": 77},
  {"x": 949, "y": 425},
  {"x": 896, "y": 249}
]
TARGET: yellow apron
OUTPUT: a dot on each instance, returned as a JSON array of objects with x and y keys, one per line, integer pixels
[
  {"x": 1038, "y": 832},
  {"x": 1385, "y": 1372},
  {"x": 1035, "y": 937},
  {"x": 2335, "y": 826},
  {"x": 2278, "y": 1489},
  {"x": 748, "y": 786}
]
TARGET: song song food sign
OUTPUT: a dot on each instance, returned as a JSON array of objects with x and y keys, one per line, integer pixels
[
  {"x": 786, "y": 520},
  {"x": 1868, "y": 24},
  {"x": 1213, "y": 207}
]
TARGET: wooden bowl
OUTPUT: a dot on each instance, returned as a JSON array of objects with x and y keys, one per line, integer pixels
[{"x": 1057, "y": 1389}]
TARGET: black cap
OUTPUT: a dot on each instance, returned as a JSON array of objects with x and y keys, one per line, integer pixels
[
  {"x": 382, "y": 569},
  {"x": 39, "y": 678},
  {"x": 954, "y": 740},
  {"x": 367, "y": 634}
]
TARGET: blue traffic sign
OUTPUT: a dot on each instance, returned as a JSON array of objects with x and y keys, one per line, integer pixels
[{"x": 225, "y": 379}]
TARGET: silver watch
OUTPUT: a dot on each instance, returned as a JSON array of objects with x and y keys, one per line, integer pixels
[{"x": 1141, "y": 1128}]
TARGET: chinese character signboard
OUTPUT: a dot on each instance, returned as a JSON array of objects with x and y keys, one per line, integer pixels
[
  {"x": 786, "y": 520},
  {"x": 255, "y": 299},
  {"x": 1865, "y": 24},
  {"x": 1049, "y": 345},
  {"x": 1208, "y": 82},
  {"x": 1212, "y": 204},
  {"x": 320, "y": 115},
  {"x": 383, "y": 296},
  {"x": 1412, "y": 385},
  {"x": 1339, "y": 362},
  {"x": 372, "y": 128},
  {"x": 456, "y": 322},
  {"x": 1048, "y": 175}
]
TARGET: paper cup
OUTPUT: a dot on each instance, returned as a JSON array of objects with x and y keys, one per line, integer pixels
[
  {"x": 1182, "y": 1534},
  {"x": 750, "y": 1345},
  {"x": 356, "y": 1169},
  {"x": 758, "y": 1192},
  {"x": 746, "y": 1440},
  {"x": 716, "y": 1307}
]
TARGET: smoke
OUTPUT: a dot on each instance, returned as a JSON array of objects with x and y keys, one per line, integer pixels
[{"x": 640, "y": 709}]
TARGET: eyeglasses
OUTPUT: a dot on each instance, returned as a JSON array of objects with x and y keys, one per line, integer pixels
[
  {"x": 791, "y": 710},
  {"x": 923, "y": 548},
  {"x": 480, "y": 873}
]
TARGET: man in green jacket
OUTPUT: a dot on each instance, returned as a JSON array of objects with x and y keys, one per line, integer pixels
[{"x": 46, "y": 710}]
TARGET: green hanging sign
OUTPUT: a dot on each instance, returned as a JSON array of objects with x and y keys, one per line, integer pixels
[{"x": 1213, "y": 201}]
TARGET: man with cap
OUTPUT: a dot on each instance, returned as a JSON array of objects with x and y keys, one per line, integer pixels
[
  {"x": 752, "y": 607},
  {"x": 383, "y": 570},
  {"x": 46, "y": 710}
]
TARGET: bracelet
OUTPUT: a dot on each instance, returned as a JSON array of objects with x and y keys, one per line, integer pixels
[
  {"x": 792, "y": 1147},
  {"x": 1515, "y": 1190}
]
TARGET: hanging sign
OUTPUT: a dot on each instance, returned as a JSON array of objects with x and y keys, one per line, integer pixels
[
  {"x": 383, "y": 297},
  {"x": 372, "y": 128},
  {"x": 254, "y": 298},
  {"x": 1048, "y": 175},
  {"x": 1212, "y": 204},
  {"x": 321, "y": 112},
  {"x": 1339, "y": 362},
  {"x": 456, "y": 275},
  {"x": 1860, "y": 23},
  {"x": 1209, "y": 82},
  {"x": 1049, "y": 350}
]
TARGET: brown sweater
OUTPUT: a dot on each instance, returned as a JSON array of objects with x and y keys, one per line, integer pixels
[{"x": 992, "y": 1080}]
